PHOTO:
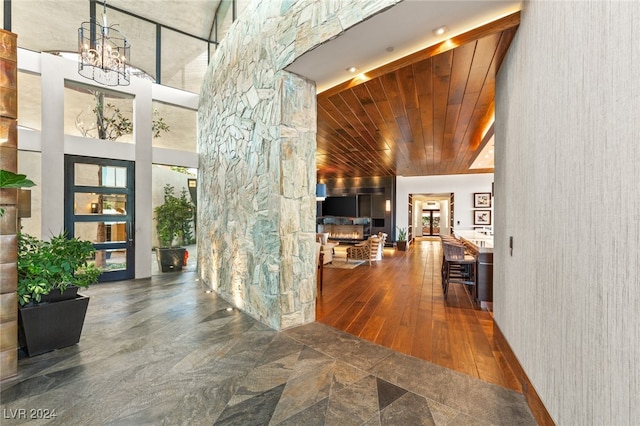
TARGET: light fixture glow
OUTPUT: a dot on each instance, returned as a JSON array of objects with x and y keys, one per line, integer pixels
[
  {"x": 440, "y": 30},
  {"x": 361, "y": 77},
  {"x": 352, "y": 69},
  {"x": 103, "y": 53},
  {"x": 387, "y": 205}
]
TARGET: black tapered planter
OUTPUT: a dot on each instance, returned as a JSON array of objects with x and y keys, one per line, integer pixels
[
  {"x": 48, "y": 326},
  {"x": 55, "y": 295},
  {"x": 170, "y": 259},
  {"x": 401, "y": 245}
]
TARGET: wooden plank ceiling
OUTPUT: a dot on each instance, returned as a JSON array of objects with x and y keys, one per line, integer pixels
[{"x": 422, "y": 115}]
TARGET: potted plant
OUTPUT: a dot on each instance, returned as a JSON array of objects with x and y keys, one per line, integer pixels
[
  {"x": 173, "y": 219},
  {"x": 51, "y": 312},
  {"x": 401, "y": 242}
]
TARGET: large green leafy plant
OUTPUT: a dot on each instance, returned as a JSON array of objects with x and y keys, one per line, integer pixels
[
  {"x": 173, "y": 217},
  {"x": 55, "y": 264},
  {"x": 13, "y": 180}
]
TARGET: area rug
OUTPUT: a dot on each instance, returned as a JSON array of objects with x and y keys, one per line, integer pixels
[{"x": 341, "y": 264}]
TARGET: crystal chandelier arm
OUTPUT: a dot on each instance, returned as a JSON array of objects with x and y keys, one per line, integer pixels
[{"x": 103, "y": 57}]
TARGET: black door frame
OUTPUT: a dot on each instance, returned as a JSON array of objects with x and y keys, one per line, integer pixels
[{"x": 70, "y": 218}]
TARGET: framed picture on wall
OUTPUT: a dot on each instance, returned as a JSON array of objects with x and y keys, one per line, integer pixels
[
  {"x": 482, "y": 217},
  {"x": 481, "y": 200}
]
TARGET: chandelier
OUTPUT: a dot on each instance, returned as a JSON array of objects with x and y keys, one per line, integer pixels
[{"x": 103, "y": 53}]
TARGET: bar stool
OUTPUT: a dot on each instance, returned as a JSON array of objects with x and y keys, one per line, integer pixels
[
  {"x": 458, "y": 267},
  {"x": 445, "y": 239}
]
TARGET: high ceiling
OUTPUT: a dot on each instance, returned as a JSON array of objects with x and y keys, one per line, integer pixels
[
  {"x": 52, "y": 26},
  {"x": 428, "y": 110},
  {"x": 421, "y": 113},
  {"x": 428, "y": 114},
  {"x": 58, "y": 20}
]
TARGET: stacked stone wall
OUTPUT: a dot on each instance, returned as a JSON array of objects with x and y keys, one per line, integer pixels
[{"x": 257, "y": 144}]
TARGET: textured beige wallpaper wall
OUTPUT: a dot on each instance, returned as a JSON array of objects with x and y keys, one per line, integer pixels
[{"x": 567, "y": 190}]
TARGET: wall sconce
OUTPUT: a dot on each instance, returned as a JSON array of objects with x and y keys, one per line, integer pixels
[
  {"x": 321, "y": 191},
  {"x": 387, "y": 205},
  {"x": 94, "y": 207}
]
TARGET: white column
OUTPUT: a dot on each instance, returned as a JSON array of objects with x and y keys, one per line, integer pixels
[{"x": 52, "y": 81}]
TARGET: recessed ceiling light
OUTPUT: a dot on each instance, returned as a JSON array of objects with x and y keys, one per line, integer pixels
[
  {"x": 390, "y": 49},
  {"x": 352, "y": 69},
  {"x": 440, "y": 30}
]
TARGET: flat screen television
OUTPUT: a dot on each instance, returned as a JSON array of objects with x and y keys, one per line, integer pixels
[{"x": 340, "y": 206}]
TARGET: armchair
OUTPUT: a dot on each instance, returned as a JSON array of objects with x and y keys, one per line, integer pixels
[
  {"x": 383, "y": 237},
  {"x": 326, "y": 247},
  {"x": 369, "y": 250}
]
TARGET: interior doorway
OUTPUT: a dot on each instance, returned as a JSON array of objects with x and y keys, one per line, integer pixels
[{"x": 431, "y": 214}]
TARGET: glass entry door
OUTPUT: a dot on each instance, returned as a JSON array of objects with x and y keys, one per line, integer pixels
[
  {"x": 99, "y": 201},
  {"x": 430, "y": 222}
]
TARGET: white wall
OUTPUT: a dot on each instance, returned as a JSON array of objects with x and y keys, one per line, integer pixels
[
  {"x": 567, "y": 167},
  {"x": 463, "y": 187},
  {"x": 53, "y": 144}
]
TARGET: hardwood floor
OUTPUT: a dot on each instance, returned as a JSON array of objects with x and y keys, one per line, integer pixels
[{"x": 398, "y": 303}]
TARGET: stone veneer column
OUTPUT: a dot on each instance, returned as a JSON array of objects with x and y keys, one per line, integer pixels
[
  {"x": 8, "y": 201},
  {"x": 257, "y": 144}
]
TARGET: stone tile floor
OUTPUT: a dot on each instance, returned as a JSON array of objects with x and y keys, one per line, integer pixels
[{"x": 162, "y": 351}]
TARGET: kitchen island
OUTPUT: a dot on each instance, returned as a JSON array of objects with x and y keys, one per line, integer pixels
[{"x": 481, "y": 247}]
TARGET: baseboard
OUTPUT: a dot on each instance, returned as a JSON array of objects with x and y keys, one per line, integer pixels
[{"x": 533, "y": 399}]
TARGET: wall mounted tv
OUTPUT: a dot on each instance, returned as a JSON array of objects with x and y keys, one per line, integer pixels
[{"x": 340, "y": 206}]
